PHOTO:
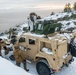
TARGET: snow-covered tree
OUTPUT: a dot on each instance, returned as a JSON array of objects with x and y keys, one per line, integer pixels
[
  {"x": 69, "y": 7},
  {"x": 52, "y": 13},
  {"x": 65, "y": 8},
  {"x": 74, "y": 6}
]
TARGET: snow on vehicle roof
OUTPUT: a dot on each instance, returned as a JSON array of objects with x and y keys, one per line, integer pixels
[
  {"x": 33, "y": 34},
  {"x": 60, "y": 37},
  {"x": 8, "y": 68}
]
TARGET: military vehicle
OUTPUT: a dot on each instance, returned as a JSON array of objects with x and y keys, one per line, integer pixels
[{"x": 51, "y": 53}]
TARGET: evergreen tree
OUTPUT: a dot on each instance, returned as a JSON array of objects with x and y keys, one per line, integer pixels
[
  {"x": 52, "y": 13},
  {"x": 67, "y": 8},
  {"x": 74, "y": 6}
]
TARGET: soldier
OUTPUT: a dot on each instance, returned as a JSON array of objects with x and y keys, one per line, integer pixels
[
  {"x": 20, "y": 57},
  {"x": 13, "y": 38},
  {"x": 5, "y": 52},
  {"x": 1, "y": 44}
]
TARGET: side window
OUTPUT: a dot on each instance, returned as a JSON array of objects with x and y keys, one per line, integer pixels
[
  {"x": 31, "y": 41},
  {"x": 22, "y": 39}
]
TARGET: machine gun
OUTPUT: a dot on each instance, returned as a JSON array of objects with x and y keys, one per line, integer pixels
[{"x": 46, "y": 27}]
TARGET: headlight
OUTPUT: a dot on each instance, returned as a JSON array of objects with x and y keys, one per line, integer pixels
[{"x": 22, "y": 48}]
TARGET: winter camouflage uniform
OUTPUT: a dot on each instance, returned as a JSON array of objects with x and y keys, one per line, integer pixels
[
  {"x": 3, "y": 49},
  {"x": 6, "y": 50},
  {"x": 2, "y": 44},
  {"x": 20, "y": 57}
]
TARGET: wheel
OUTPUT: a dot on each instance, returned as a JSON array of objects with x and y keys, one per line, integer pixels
[{"x": 42, "y": 68}]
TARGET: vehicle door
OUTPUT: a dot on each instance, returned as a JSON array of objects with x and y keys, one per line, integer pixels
[{"x": 32, "y": 47}]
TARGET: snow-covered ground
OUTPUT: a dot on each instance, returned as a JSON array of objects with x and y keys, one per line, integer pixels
[
  {"x": 67, "y": 24},
  {"x": 30, "y": 65},
  {"x": 71, "y": 70},
  {"x": 7, "y": 68}
]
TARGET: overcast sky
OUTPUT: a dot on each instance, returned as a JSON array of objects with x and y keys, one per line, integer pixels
[{"x": 52, "y": 4}]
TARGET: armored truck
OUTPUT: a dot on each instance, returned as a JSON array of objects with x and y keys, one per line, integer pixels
[{"x": 50, "y": 53}]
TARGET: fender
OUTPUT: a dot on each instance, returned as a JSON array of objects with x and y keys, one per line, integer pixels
[{"x": 42, "y": 55}]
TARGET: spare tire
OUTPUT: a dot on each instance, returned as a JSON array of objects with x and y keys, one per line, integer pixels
[{"x": 73, "y": 49}]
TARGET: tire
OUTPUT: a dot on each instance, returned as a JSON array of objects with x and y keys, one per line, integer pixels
[{"x": 42, "y": 69}]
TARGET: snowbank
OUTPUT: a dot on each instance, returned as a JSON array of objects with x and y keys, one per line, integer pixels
[{"x": 7, "y": 68}]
